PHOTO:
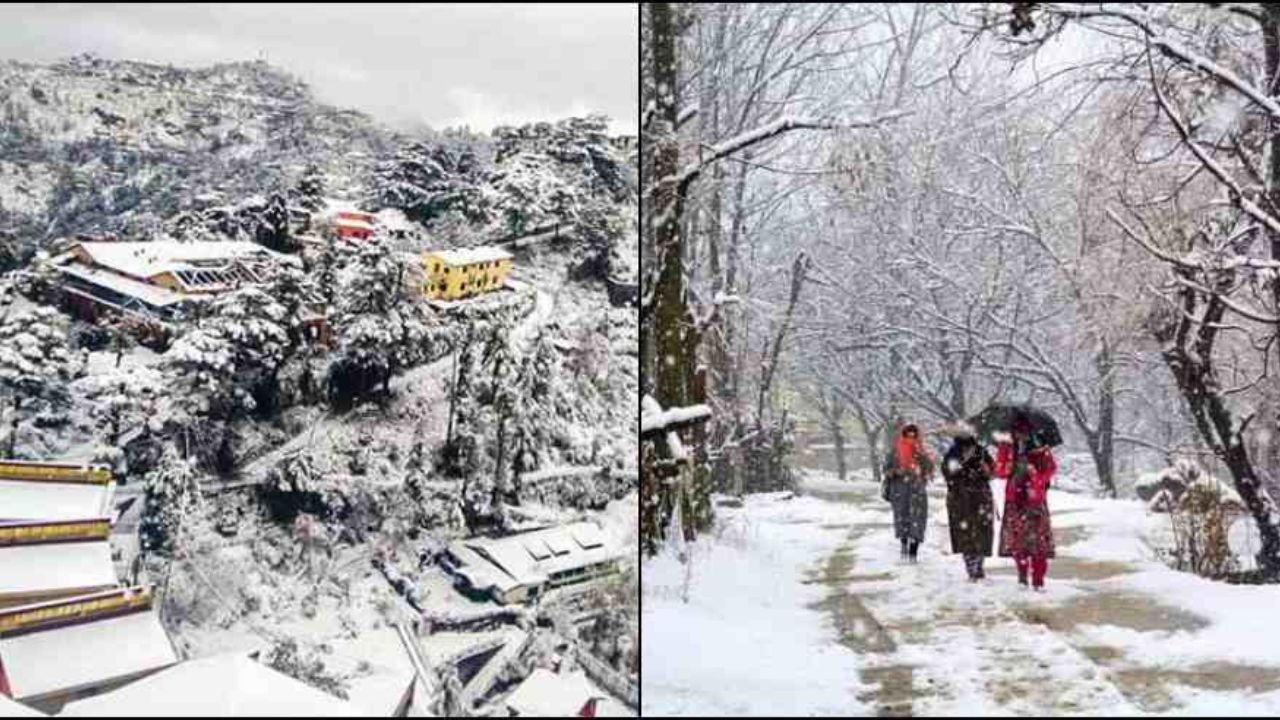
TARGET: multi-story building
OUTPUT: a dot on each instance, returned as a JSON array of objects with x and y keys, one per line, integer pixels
[{"x": 456, "y": 274}]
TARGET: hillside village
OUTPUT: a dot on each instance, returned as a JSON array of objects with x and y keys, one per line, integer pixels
[{"x": 351, "y": 427}]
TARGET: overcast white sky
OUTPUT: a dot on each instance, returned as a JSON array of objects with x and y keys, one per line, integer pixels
[{"x": 443, "y": 65}]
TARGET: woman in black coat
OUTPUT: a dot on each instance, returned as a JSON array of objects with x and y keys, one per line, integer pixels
[{"x": 967, "y": 469}]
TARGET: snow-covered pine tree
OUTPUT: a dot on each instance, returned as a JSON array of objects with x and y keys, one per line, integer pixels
[
  {"x": 530, "y": 195},
  {"x": 380, "y": 325},
  {"x": 269, "y": 224},
  {"x": 171, "y": 494},
  {"x": 539, "y": 415},
  {"x": 298, "y": 293},
  {"x": 36, "y": 366},
  {"x": 225, "y": 368},
  {"x": 500, "y": 364},
  {"x": 254, "y": 323},
  {"x": 600, "y": 225},
  {"x": 309, "y": 192},
  {"x": 430, "y": 179}
]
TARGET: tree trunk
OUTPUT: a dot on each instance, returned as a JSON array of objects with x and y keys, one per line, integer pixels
[
  {"x": 1102, "y": 445},
  {"x": 769, "y": 363},
  {"x": 871, "y": 431},
  {"x": 670, "y": 388},
  {"x": 837, "y": 437},
  {"x": 1192, "y": 369}
]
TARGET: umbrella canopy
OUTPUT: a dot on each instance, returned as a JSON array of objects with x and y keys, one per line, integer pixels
[{"x": 999, "y": 418}]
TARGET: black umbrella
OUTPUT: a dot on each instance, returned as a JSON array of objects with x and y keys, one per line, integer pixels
[{"x": 999, "y": 418}]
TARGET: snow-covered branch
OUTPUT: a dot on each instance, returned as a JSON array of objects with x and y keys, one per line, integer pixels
[{"x": 777, "y": 127}]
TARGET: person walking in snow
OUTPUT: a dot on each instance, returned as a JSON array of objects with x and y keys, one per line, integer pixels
[
  {"x": 967, "y": 468},
  {"x": 1025, "y": 533},
  {"x": 912, "y": 468}
]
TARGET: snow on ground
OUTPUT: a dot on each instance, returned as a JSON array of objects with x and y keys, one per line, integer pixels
[
  {"x": 735, "y": 648},
  {"x": 1117, "y": 632}
]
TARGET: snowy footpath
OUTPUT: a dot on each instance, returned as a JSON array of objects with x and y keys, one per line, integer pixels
[{"x": 800, "y": 605}]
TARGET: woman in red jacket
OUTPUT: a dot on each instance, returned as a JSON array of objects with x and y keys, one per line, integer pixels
[{"x": 1025, "y": 534}]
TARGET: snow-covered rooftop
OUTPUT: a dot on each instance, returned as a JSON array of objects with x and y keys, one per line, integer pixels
[
  {"x": 148, "y": 259},
  {"x": 77, "y": 656},
  {"x": 54, "y": 567},
  {"x": 230, "y": 685},
  {"x": 529, "y": 558},
  {"x": 12, "y": 708},
  {"x": 353, "y": 223},
  {"x": 153, "y": 295},
  {"x": 44, "y": 500},
  {"x": 547, "y": 694},
  {"x": 467, "y": 256}
]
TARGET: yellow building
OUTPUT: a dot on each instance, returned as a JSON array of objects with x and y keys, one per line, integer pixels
[{"x": 456, "y": 274}]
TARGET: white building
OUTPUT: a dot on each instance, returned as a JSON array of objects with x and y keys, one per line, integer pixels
[{"x": 522, "y": 567}]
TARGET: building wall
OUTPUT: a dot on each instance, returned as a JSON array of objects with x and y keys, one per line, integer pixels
[
  {"x": 167, "y": 280},
  {"x": 451, "y": 282}
]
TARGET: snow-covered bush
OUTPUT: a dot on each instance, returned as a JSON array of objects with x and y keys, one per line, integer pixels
[
  {"x": 305, "y": 664},
  {"x": 1200, "y": 518}
]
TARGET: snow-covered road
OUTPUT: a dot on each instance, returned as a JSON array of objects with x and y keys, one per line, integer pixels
[{"x": 800, "y": 605}]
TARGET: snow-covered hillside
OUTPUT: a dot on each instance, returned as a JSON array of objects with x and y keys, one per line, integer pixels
[
  {"x": 103, "y": 146},
  {"x": 295, "y": 493}
]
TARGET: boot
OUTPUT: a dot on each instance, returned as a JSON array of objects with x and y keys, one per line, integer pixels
[
  {"x": 905, "y": 548},
  {"x": 915, "y": 547}
]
